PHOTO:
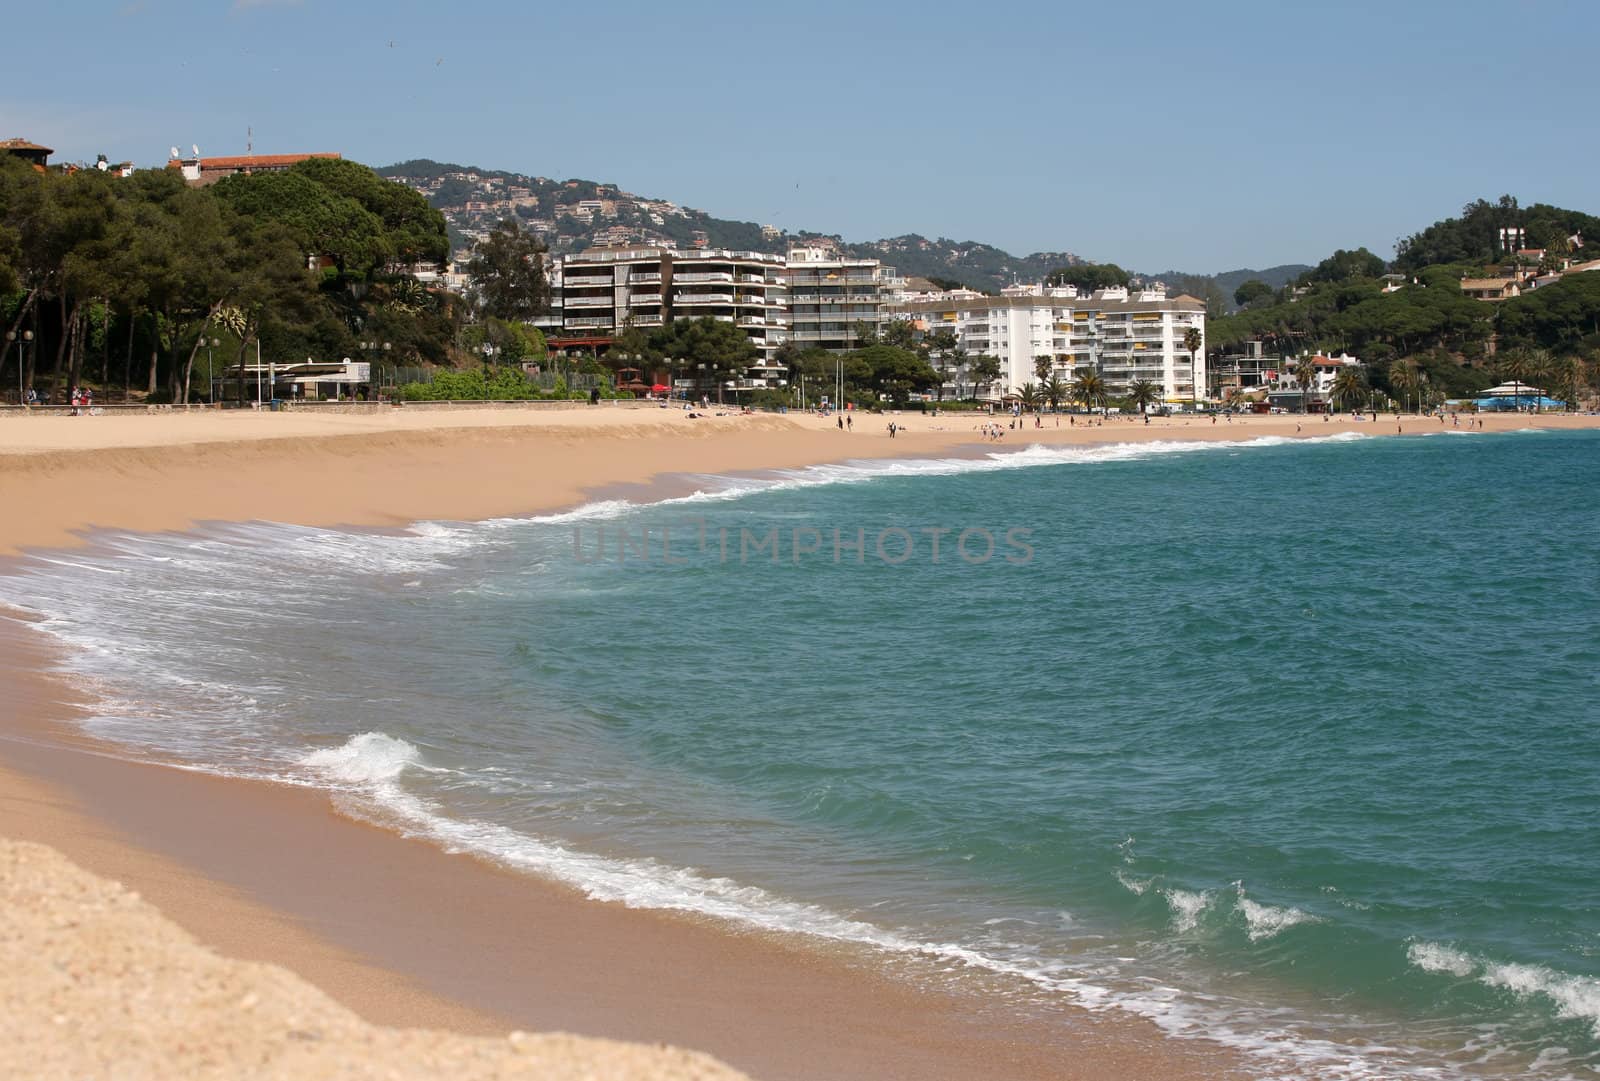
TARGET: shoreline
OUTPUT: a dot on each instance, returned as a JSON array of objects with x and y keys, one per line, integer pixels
[
  {"x": 164, "y": 473},
  {"x": 351, "y": 906},
  {"x": 408, "y": 935}
]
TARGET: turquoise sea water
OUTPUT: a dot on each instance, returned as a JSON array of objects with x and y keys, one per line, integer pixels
[{"x": 1288, "y": 744}]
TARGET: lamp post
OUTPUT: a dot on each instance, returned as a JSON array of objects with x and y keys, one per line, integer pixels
[
  {"x": 211, "y": 367},
  {"x": 374, "y": 347},
  {"x": 22, "y": 360},
  {"x": 489, "y": 350},
  {"x": 11, "y": 336}
]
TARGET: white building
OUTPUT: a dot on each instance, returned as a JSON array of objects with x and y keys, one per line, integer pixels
[
  {"x": 1124, "y": 337},
  {"x": 830, "y": 293}
]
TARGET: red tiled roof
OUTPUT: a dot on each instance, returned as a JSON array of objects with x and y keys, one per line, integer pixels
[{"x": 246, "y": 161}]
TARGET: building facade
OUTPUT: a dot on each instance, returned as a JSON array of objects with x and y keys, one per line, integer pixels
[
  {"x": 606, "y": 291},
  {"x": 830, "y": 294},
  {"x": 1124, "y": 337}
]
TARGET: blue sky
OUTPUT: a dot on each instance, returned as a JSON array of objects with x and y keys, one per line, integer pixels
[{"x": 1197, "y": 136}]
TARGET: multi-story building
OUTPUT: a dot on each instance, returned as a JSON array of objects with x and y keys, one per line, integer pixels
[
  {"x": 831, "y": 293},
  {"x": 605, "y": 291},
  {"x": 1124, "y": 337}
]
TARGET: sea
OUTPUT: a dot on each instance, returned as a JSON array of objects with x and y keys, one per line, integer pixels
[{"x": 1292, "y": 745}]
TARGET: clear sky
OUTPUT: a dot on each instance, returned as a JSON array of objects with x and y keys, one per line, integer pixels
[{"x": 1195, "y": 136}]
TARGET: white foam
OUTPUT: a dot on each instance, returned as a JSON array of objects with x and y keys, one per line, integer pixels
[
  {"x": 1133, "y": 885},
  {"x": 364, "y": 759},
  {"x": 1265, "y": 921},
  {"x": 1574, "y": 997},
  {"x": 1187, "y": 907},
  {"x": 1432, "y": 957}
]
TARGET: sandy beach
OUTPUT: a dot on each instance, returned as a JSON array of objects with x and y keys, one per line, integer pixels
[{"x": 381, "y": 930}]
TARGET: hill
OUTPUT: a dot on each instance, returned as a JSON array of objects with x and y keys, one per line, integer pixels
[{"x": 571, "y": 215}]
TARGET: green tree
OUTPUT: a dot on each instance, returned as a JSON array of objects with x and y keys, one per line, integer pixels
[
  {"x": 1251, "y": 291},
  {"x": 1349, "y": 385},
  {"x": 1056, "y": 390},
  {"x": 1143, "y": 394},
  {"x": 1405, "y": 379},
  {"x": 507, "y": 269},
  {"x": 894, "y": 372},
  {"x": 900, "y": 333},
  {"x": 1343, "y": 266},
  {"x": 983, "y": 370},
  {"x": 1088, "y": 277},
  {"x": 1192, "y": 342},
  {"x": 707, "y": 349},
  {"x": 1042, "y": 367},
  {"x": 1305, "y": 373},
  {"x": 1089, "y": 388}
]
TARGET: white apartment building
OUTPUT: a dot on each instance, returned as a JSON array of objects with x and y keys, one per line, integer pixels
[
  {"x": 605, "y": 291},
  {"x": 830, "y": 292},
  {"x": 1125, "y": 337}
]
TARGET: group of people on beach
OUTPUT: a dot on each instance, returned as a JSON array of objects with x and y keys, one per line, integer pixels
[{"x": 82, "y": 401}]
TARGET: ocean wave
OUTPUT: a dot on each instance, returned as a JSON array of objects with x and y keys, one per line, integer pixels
[
  {"x": 1265, "y": 921},
  {"x": 1575, "y": 998},
  {"x": 372, "y": 765}
]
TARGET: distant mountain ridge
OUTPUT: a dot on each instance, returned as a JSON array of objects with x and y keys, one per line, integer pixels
[{"x": 573, "y": 214}]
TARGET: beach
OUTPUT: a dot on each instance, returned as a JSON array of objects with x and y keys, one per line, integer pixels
[{"x": 404, "y": 934}]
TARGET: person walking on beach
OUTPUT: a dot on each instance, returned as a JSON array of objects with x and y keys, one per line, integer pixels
[
  {"x": 841, "y": 424},
  {"x": 849, "y": 422}
]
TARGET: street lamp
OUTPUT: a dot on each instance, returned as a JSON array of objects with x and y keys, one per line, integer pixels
[
  {"x": 489, "y": 350},
  {"x": 373, "y": 347},
  {"x": 11, "y": 336},
  {"x": 211, "y": 366}
]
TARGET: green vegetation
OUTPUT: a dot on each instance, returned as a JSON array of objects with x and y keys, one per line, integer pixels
[
  {"x": 1090, "y": 276},
  {"x": 147, "y": 282},
  {"x": 1422, "y": 336}
]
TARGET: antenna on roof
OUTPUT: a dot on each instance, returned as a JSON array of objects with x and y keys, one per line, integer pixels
[
  {"x": 175, "y": 153},
  {"x": 195, "y": 148},
  {"x": 250, "y": 142}
]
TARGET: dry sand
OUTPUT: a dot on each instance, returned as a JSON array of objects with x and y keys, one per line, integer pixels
[
  {"x": 395, "y": 930},
  {"x": 100, "y": 984}
]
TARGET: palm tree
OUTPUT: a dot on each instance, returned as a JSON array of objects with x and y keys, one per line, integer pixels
[
  {"x": 1030, "y": 395},
  {"x": 1305, "y": 373},
  {"x": 1541, "y": 369},
  {"x": 1520, "y": 367},
  {"x": 1089, "y": 388},
  {"x": 1574, "y": 377},
  {"x": 1192, "y": 342},
  {"x": 1143, "y": 394},
  {"x": 1404, "y": 377},
  {"x": 1348, "y": 385},
  {"x": 1042, "y": 366},
  {"x": 1056, "y": 392}
]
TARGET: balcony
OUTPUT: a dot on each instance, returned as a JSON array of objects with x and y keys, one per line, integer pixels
[
  {"x": 589, "y": 321},
  {"x": 645, "y": 279},
  {"x": 699, "y": 277},
  {"x": 639, "y": 300},
  {"x": 588, "y": 302},
  {"x": 703, "y": 298},
  {"x": 602, "y": 281}
]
